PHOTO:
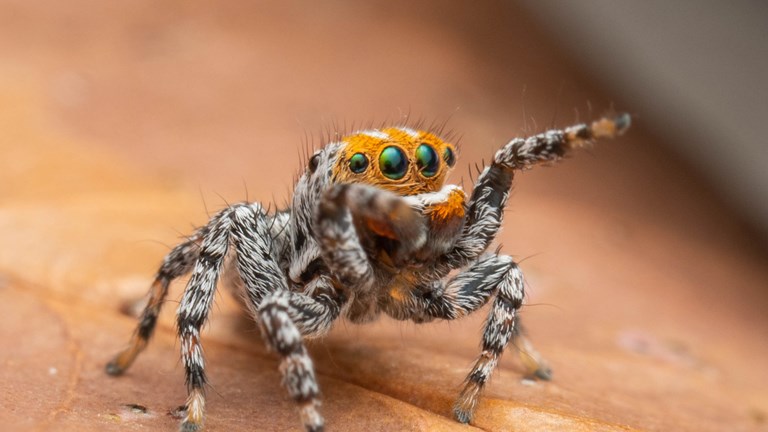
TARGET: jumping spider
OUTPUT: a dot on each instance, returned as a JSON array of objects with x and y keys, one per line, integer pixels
[{"x": 371, "y": 229}]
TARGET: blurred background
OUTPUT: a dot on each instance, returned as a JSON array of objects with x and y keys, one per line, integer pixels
[
  {"x": 223, "y": 88},
  {"x": 695, "y": 70},
  {"x": 123, "y": 124}
]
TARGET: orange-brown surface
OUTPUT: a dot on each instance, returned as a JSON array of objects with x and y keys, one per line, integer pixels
[{"x": 120, "y": 123}]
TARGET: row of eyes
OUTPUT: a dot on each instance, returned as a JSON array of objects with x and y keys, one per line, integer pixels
[{"x": 393, "y": 162}]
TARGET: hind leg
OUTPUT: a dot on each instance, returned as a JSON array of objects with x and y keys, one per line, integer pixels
[{"x": 176, "y": 264}]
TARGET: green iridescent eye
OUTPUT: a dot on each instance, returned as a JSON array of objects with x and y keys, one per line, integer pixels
[
  {"x": 427, "y": 160},
  {"x": 393, "y": 163},
  {"x": 449, "y": 157},
  {"x": 358, "y": 163}
]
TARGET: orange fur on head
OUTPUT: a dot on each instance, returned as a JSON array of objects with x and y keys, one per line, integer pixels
[
  {"x": 371, "y": 143},
  {"x": 450, "y": 209}
]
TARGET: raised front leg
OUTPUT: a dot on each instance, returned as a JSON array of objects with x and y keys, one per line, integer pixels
[{"x": 489, "y": 198}]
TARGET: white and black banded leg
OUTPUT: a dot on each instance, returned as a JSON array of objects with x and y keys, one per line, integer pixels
[
  {"x": 193, "y": 313},
  {"x": 468, "y": 291},
  {"x": 285, "y": 318},
  {"x": 499, "y": 329},
  {"x": 485, "y": 208},
  {"x": 176, "y": 264},
  {"x": 522, "y": 153},
  {"x": 248, "y": 228}
]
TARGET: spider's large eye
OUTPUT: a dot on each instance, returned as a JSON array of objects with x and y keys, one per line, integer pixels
[
  {"x": 449, "y": 157},
  {"x": 358, "y": 163},
  {"x": 393, "y": 163},
  {"x": 427, "y": 161}
]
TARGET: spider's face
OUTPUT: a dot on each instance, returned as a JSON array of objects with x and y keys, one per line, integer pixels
[{"x": 398, "y": 159}]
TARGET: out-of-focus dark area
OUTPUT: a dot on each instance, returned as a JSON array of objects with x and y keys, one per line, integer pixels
[
  {"x": 696, "y": 74},
  {"x": 125, "y": 124}
]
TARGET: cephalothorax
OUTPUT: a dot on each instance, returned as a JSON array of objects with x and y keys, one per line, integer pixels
[{"x": 371, "y": 228}]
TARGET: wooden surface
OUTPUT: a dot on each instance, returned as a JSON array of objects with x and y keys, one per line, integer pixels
[{"x": 121, "y": 124}]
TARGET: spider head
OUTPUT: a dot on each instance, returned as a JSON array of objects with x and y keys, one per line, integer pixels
[{"x": 398, "y": 159}]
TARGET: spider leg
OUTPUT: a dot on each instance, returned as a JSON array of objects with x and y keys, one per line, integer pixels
[
  {"x": 284, "y": 317},
  {"x": 176, "y": 264},
  {"x": 468, "y": 291},
  {"x": 489, "y": 197},
  {"x": 249, "y": 229},
  {"x": 193, "y": 312},
  {"x": 498, "y": 330}
]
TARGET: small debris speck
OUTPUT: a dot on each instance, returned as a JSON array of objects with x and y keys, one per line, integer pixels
[
  {"x": 133, "y": 412},
  {"x": 136, "y": 409}
]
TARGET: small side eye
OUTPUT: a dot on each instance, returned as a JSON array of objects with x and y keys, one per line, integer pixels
[
  {"x": 393, "y": 163},
  {"x": 449, "y": 157},
  {"x": 427, "y": 160},
  {"x": 314, "y": 161},
  {"x": 358, "y": 163}
]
